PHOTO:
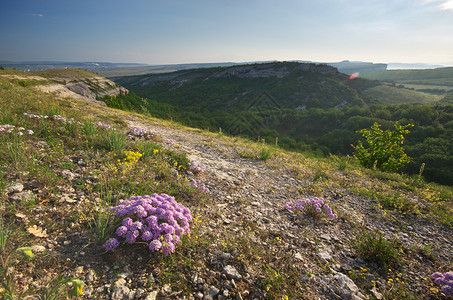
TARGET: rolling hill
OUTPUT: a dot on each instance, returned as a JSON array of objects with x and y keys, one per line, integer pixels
[
  {"x": 307, "y": 106},
  {"x": 265, "y": 223}
]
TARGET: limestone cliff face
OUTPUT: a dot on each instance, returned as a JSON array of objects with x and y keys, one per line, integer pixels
[
  {"x": 93, "y": 87},
  {"x": 77, "y": 84},
  {"x": 273, "y": 70},
  {"x": 177, "y": 79}
]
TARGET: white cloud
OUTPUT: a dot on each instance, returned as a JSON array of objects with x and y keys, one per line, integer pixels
[
  {"x": 443, "y": 4},
  {"x": 447, "y": 5},
  {"x": 38, "y": 15}
]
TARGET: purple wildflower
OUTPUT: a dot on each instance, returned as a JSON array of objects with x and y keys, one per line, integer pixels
[
  {"x": 156, "y": 218},
  {"x": 312, "y": 205},
  {"x": 147, "y": 235},
  {"x": 121, "y": 231},
  {"x": 127, "y": 222},
  {"x": 445, "y": 280},
  {"x": 111, "y": 244},
  {"x": 168, "y": 248},
  {"x": 155, "y": 245},
  {"x": 131, "y": 236}
]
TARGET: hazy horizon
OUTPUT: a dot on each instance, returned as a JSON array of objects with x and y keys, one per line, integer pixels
[{"x": 202, "y": 31}]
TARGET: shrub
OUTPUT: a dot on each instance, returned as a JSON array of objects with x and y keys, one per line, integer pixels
[
  {"x": 265, "y": 154},
  {"x": 114, "y": 141},
  {"x": 385, "y": 151},
  {"x": 374, "y": 247},
  {"x": 157, "y": 219},
  {"x": 178, "y": 160}
]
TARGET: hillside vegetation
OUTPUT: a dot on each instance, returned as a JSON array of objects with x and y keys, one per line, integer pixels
[
  {"x": 439, "y": 76},
  {"x": 257, "y": 227},
  {"x": 308, "y": 107}
]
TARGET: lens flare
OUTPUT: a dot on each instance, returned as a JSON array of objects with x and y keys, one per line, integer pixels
[{"x": 354, "y": 75}]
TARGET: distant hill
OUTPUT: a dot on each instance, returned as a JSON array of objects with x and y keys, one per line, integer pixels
[
  {"x": 308, "y": 106},
  {"x": 346, "y": 66},
  {"x": 350, "y": 67},
  {"x": 290, "y": 84},
  {"x": 439, "y": 76},
  {"x": 125, "y": 69},
  {"x": 31, "y": 66}
]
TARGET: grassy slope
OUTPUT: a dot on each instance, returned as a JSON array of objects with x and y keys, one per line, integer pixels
[
  {"x": 394, "y": 95},
  {"x": 100, "y": 150},
  {"x": 65, "y": 73}
]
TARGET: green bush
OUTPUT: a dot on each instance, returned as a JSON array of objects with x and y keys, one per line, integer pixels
[
  {"x": 374, "y": 247},
  {"x": 384, "y": 148}
]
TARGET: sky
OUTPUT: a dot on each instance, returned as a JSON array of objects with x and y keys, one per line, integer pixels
[{"x": 199, "y": 31}]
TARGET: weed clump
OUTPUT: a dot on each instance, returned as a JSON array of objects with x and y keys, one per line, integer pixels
[{"x": 374, "y": 247}]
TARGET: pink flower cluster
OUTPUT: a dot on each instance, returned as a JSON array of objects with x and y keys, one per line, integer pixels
[
  {"x": 421, "y": 202},
  {"x": 199, "y": 185},
  {"x": 314, "y": 203},
  {"x": 140, "y": 133},
  {"x": 156, "y": 219},
  {"x": 195, "y": 168},
  {"x": 54, "y": 117},
  {"x": 64, "y": 120},
  {"x": 7, "y": 128},
  {"x": 102, "y": 125}
]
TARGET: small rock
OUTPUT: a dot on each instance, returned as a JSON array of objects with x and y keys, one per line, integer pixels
[
  {"x": 376, "y": 294},
  {"x": 231, "y": 272},
  {"x": 152, "y": 295},
  {"x": 167, "y": 289},
  {"x": 87, "y": 291},
  {"x": 225, "y": 256},
  {"x": 91, "y": 276},
  {"x": 298, "y": 256},
  {"x": 325, "y": 237},
  {"x": 120, "y": 291},
  {"x": 347, "y": 286},
  {"x": 38, "y": 249},
  {"x": 15, "y": 188},
  {"x": 233, "y": 284},
  {"x": 68, "y": 175},
  {"x": 213, "y": 291},
  {"x": 325, "y": 256},
  {"x": 22, "y": 197},
  {"x": 124, "y": 275},
  {"x": 78, "y": 270},
  {"x": 67, "y": 198},
  {"x": 139, "y": 292}
]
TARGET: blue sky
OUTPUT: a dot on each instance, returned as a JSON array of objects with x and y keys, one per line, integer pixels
[{"x": 189, "y": 31}]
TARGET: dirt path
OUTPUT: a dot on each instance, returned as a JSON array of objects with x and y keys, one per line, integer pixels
[{"x": 255, "y": 191}]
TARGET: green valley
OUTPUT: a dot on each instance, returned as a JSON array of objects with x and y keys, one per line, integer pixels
[{"x": 308, "y": 107}]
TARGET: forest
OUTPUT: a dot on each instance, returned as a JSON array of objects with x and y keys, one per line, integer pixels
[{"x": 324, "y": 131}]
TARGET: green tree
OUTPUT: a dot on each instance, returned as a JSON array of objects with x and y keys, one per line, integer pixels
[{"x": 384, "y": 150}]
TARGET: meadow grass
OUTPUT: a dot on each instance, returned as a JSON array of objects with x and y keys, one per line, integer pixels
[{"x": 113, "y": 171}]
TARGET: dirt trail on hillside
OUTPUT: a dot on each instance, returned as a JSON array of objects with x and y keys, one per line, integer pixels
[{"x": 256, "y": 191}]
